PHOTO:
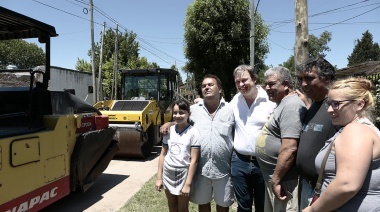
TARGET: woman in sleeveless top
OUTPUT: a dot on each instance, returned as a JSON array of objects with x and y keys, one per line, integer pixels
[{"x": 351, "y": 181}]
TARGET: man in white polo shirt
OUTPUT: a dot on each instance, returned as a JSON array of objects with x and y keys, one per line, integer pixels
[{"x": 252, "y": 108}]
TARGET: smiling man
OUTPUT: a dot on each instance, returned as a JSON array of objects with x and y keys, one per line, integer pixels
[
  {"x": 276, "y": 145},
  {"x": 314, "y": 77},
  {"x": 214, "y": 119},
  {"x": 252, "y": 109}
]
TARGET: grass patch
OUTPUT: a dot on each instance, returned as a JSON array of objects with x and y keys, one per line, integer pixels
[{"x": 148, "y": 199}]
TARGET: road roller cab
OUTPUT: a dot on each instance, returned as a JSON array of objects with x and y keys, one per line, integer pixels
[{"x": 143, "y": 106}]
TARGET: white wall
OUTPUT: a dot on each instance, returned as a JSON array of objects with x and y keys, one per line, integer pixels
[{"x": 61, "y": 78}]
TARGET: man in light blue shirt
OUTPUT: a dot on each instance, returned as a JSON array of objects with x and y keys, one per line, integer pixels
[{"x": 214, "y": 119}]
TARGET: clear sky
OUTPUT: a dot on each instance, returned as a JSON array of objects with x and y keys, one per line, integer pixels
[{"x": 159, "y": 26}]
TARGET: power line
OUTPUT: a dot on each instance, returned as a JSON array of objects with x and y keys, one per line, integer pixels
[
  {"x": 278, "y": 24},
  {"x": 280, "y": 45},
  {"x": 139, "y": 38},
  {"x": 97, "y": 9},
  {"x": 64, "y": 11},
  {"x": 346, "y": 19}
]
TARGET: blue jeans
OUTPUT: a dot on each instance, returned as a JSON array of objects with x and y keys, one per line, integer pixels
[
  {"x": 248, "y": 183},
  {"x": 307, "y": 193}
]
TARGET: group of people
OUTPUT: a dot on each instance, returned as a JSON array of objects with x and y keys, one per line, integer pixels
[{"x": 266, "y": 146}]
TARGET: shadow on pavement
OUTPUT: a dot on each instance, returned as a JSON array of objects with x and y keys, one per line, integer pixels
[{"x": 79, "y": 201}]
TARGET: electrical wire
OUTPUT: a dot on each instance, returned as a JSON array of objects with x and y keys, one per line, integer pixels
[{"x": 147, "y": 46}]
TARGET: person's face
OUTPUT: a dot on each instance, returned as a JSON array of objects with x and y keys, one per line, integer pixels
[
  {"x": 275, "y": 89},
  {"x": 180, "y": 116},
  {"x": 210, "y": 89},
  {"x": 341, "y": 109},
  {"x": 245, "y": 84},
  {"x": 314, "y": 86}
]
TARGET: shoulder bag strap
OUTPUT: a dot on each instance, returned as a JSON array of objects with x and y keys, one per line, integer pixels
[{"x": 318, "y": 186}]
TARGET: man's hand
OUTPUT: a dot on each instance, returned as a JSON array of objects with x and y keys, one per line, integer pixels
[
  {"x": 279, "y": 192},
  {"x": 303, "y": 98},
  {"x": 165, "y": 128}
]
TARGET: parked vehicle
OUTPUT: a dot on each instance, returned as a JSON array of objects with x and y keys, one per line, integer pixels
[
  {"x": 142, "y": 107},
  {"x": 51, "y": 142}
]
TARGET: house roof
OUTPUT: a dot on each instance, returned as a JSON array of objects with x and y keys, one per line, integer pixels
[{"x": 363, "y": 69}]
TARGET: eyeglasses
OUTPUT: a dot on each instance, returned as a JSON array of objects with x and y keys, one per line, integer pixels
[{"x": 335, "y": 104}]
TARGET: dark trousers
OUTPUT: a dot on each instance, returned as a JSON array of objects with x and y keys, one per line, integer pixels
[{"x": 248, "y": 183}]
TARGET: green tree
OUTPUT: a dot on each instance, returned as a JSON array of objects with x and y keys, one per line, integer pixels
[
  {"x": 179, "y": 77},
  {"x": 317, "y": 47},
  {"x": 128, "y": 57},
  {"x": 364, "y": 50},
  {"x": 217, "y": 39},
  {"x": 21, "y": 53},
  {"x": 83, "y": 65},
  {"x": 108, "y": 69},
  {"x": 128, "y": 49}
]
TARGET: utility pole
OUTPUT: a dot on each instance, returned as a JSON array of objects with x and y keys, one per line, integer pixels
[
  {"x": 252, "y": 35},
  {"x": 93, "y": 53},
  {"x": 115, "y": 73},
  {"x": 301, "y": 50},
  {"x": 101, "y": 63}
]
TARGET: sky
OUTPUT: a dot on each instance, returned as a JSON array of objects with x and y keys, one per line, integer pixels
[{"x": 159, "y": 25}]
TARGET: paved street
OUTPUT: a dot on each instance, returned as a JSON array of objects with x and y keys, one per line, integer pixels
[{"x": 120, "y": 181}]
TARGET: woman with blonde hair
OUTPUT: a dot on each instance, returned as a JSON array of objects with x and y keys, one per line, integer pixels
[{"x": 351, "y": 180}]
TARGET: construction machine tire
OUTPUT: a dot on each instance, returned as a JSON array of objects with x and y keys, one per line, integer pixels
[{"x": 133, "y": 144}]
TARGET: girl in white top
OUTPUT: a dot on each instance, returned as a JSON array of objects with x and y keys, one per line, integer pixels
[{"x": 178, "y": 159}]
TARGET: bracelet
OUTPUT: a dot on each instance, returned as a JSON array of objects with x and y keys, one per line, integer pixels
[{"x": 158, "y": 179}]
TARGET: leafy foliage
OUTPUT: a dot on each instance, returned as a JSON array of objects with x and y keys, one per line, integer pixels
[
  {"x": 128, "y": 57},
  {"x": 20, "y": 53},
  {"x": 364, "y": 50},
  {"x": 217, "y": 39},
  {"x": 317, "y": 47},
  {"x": 179, "y": 77},
  {"x": 83, "y": 65}
]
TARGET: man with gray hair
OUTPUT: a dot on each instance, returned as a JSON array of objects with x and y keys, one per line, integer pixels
[
  {"x": 276, "y": 145},
  {"x": 252, "y": 109}
]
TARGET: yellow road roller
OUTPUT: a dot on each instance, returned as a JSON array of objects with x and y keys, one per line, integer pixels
[
  {"x": 143, "y": 106},
  {"x": 51, "y": 142}
]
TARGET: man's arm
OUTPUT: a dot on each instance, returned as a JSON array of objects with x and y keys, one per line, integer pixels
[
  {"x": 286, "y": 159},
  {"x": 165, "y": 128}
]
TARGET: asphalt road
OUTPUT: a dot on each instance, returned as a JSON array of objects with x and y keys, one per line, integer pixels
[{"x": 119, "y": 182}]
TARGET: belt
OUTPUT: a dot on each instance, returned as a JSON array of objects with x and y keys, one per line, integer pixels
[{"x": 247, "y": 157}]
